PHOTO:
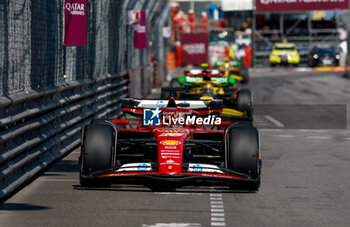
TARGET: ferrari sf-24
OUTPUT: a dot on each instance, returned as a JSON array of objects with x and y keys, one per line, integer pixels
[{"x": 175, "y": 142}]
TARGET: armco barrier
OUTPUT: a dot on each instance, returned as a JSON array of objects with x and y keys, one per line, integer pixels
[
  {"x": 36, "y": 128},
  {"x": 146, "y": 80},
  {"x": 135, "y": 85},
  {"x": 159, "y": 74}
]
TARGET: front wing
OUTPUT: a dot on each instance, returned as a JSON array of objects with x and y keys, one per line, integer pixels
[{"x": 221, "y": 176}]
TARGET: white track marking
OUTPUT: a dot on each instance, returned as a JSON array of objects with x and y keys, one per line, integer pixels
[
  {"x": 178, "y": 193},
  {"x": 173, "y": 225},
  {"x": 274, "y": 121},
  {"x": 215, "y": 198},
  {"x": 312, "y": 130},
  {"x": 217, "y": 219},
  {"x": 320, "y": 137},
  {"x": 285, "y": 136},
  {"x": 217, "y": 210},
  {"x": 215, "y": 194},
  {"x": 216, "y": 202}
]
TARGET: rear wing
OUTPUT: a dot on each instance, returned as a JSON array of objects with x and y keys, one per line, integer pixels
[
  {"x": 188, "y": 104},
  {"x": 202, "y": 72}
]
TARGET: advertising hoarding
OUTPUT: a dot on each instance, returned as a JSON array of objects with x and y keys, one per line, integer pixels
[
  {"x": 236, "y": 5},
  {"x": 300, "y": 5},
  {"x": 140, "y": 32},
  {"x": 194, "y": 48},
  {"x": 75, "y": 22}
]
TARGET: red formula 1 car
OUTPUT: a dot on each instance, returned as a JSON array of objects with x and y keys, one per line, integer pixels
[{"x": 173, "y": 142}]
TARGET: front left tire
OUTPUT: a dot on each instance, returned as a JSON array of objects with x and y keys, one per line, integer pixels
[{"x": 97, "y": 151}]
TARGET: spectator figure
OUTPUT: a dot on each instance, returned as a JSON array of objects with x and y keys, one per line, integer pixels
[
  {"x": 275, "y": 36},
  {"x": 231, "y": 52},
  {"x": 223, "y": 23},
  {"x": 191, "y": 17},
  {"x": 244, "y": 26},
  {"x": 247, "y": 60},
  {"x": 204, "y": 21},
  {"x": 178, "y": 50}
]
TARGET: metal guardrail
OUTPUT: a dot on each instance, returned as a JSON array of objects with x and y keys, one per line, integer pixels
[
  {"x": 37, "y": 128},
  {"x": 48, "y": 91}
]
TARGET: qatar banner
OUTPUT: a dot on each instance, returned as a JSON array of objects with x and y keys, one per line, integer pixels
[
  {"x": 194, "y": 48},
  {"x": 300, "y": 5},
  {"x": 140, "y": 32},
  {"x": 75, "y": 22}
]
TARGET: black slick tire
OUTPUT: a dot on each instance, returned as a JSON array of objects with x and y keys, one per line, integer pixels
[
  {"x": 97, "y": 149},
  {"x": 242, "y": 154}
]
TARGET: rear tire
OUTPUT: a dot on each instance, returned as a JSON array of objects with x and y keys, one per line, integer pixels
[
  {"x": 244, "y": 102},
  {"x": 174, "y": 83},
  {"x": 243, "y": 154},
  {"x": 164, "y": 95},
  {"x": 97, "y": 150},
  {"x": 244, "y": 72}
]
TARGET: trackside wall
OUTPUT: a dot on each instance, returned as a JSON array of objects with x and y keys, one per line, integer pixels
[{"x": 49, "y": 91}]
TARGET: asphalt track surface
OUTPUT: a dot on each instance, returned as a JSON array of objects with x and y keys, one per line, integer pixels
[{"x": 305, "y": 177}]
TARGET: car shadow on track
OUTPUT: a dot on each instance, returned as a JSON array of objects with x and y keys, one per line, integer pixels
[
  {"x": 21, "y": 207},
  {"x": 64, "y": 166},
  {"x": 165, "y": 190}
]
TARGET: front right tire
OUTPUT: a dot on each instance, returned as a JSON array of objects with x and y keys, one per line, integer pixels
[{"x": 242, "y": 154}]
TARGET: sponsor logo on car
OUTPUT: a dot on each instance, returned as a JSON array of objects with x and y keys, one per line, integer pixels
[
  {"x": 170, "y": 142},
  {"x": 152, "y": 117},
  {"x": 142, "y": 166},
  {"x": 171, "y": 130},
  {"x": 171, "y": 134},
  {"x": 170, "y": 147},
  {"x": 197, "y": 168}
]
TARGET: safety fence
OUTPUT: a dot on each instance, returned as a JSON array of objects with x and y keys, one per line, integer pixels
[{"x": 48, "y": 91}]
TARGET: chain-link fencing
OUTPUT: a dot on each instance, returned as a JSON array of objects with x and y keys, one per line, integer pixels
[
  {"x": 32, "y": 54},
  {"x": 49, "y": 91}
]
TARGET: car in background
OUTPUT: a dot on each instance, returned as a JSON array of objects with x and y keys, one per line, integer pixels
[
  {"x": 233, "y": 69},
  {"x": 227, "y": 41},
  {"x": 324, "y": 57},
  {"x": 284, "y": 53},
  {"x": 204, "y": 84}
]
